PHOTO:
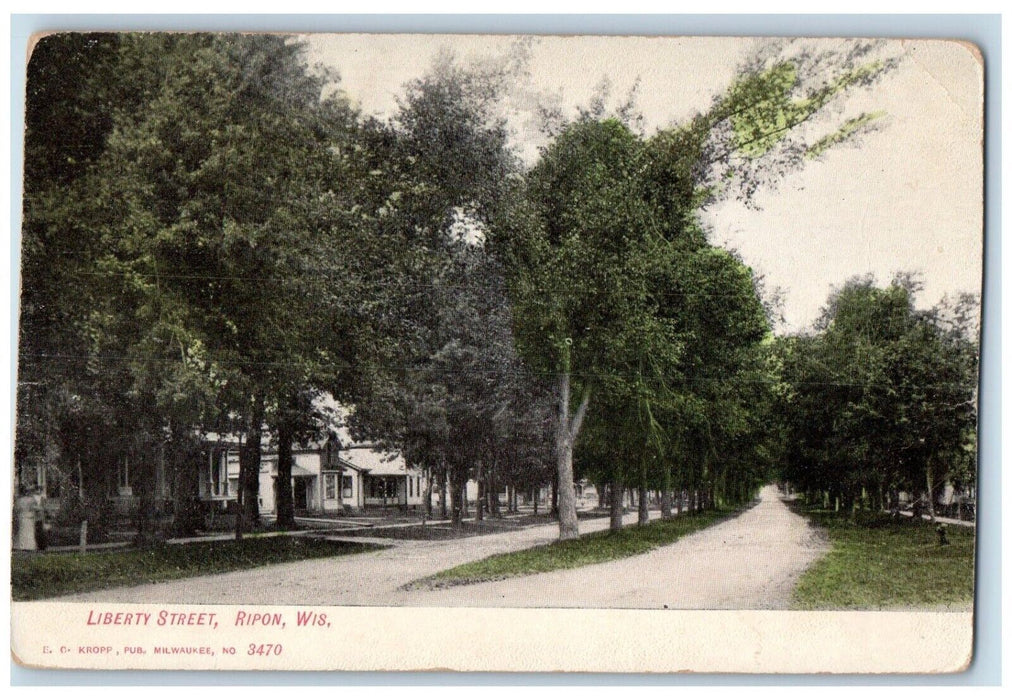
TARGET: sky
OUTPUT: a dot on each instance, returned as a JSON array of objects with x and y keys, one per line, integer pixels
[{"x": 907, "y": 197}]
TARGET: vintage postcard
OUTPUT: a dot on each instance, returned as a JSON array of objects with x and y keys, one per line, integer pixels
[{"x": 498, "y": 353}]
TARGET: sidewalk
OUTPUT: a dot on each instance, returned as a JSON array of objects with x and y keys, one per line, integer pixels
[
  {"x": 89, "y": 548},
  {"x": 333, "y": 534},
  {"x": 947, "y": 521},
  {"x": 212, "y": 537}
]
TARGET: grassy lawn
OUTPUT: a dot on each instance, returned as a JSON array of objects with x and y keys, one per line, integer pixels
[
  {"x": 436, "y": 532},
  {"x": 469, "y": 528},
  {"x": 876, "y": 562},
  {"x": 594, "y": 548},
  {"x": 35, "y": 576}
]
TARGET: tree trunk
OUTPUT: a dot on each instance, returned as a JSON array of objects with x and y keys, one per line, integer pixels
[
  {"x": 493, "y": 494},
  {"x": 644, "y": 506},
  {"x": 442, "y": 494},
  {"x": 931, "y": 495},
  {"x": 617, "y": 496},
  {"x": 666, "y": 492},
  {"x": 185, "y": 467},
  {"x": 567, "y": 430},
  {"x": 456, "y": 507},
  {"x": 248, "y": 515},
  {"x": 537, "y": 497},
  {"x": 428, "y": 495},
  {"x": 554, "y": 511},
  {"x": 480, "y": 503},
  {"x": 285, "y": 498}
]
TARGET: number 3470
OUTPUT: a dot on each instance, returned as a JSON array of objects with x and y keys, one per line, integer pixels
[{"x": 264, "y": 650}]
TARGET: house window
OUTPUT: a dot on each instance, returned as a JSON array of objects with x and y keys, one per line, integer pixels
[
  {"x": 411, "y": 487},
  {"x": 382, "y": 488},
  {"x": 346, "y": 487},
  {"x": 330, "y": 486}
]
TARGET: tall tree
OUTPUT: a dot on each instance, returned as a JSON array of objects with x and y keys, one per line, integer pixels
[
  {"x": 218, "y": 207},
  {"x": 75, "y": 404},
  {"x": 440, "y": 167},
  {"x": 599, "y": 196},
  {"x": 881, "y": 399}
]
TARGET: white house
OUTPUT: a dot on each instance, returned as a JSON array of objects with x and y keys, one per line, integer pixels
[{"x": 329, "y": 476}]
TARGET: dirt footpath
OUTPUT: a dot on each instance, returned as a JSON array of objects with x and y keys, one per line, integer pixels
[{"x": 749, "y": 562}]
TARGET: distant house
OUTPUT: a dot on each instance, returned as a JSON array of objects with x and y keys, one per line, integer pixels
[
  {"x": 327, "y": 476},
  {"x": 331, "y": 475},
  {"x": 386, "y": 479},
  {"x": 949, "y": 500}
]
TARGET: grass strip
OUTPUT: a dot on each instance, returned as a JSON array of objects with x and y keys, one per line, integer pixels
[
  {"x": 594, "y": 548},
  {"x": 44, "y": 575},
  {"x": 877, "y": 562}
]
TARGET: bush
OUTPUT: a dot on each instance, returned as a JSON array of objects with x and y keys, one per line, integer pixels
[{"x": 97, "y": 510}]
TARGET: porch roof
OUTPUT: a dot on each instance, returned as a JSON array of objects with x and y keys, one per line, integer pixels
[{"x": 301, "y": 471}]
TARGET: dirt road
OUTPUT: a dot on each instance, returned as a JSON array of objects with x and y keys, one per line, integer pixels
[{"x": 750, "y": 561}]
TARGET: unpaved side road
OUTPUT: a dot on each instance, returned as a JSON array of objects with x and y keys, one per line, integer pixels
[
  {"x": 370, "y": 578},
  {"x": 749, "y": 562}
]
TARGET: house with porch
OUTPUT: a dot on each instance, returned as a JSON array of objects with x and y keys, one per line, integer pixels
[
  {"x": 332, "y": 475},
  {"x": 386, "y": 480}
]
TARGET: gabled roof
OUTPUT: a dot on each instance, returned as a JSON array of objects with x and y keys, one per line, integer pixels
[
  {"x": 345, "y": 464},
  {"x": 377, "y": 463},
  {"x": 361, "y": 456}
]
